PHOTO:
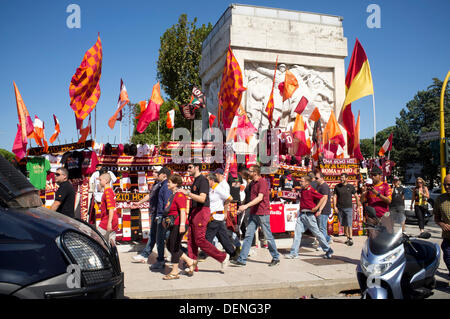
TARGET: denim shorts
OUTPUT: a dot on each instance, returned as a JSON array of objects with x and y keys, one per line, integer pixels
[{"x": 345, "y": 216}]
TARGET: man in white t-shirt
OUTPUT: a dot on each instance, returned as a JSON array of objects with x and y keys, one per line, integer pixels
[{"x": 219, "y": 197}]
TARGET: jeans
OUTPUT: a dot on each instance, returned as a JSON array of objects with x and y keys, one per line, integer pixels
[
  {"x": 158, "y": 236},
  {"x": 322, "y": 221},
  {"x": 253, "y": 222},
  {"x": 307, "y": 221}
]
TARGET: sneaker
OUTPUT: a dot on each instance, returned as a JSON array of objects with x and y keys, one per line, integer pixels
[
  {"x": 224, "y": 264},
  {"x": 274, "y": 262},
  {"x": 350, "y": 242},
  {"x": 289, "y": 256},
  {"x": 316, "y": 244},
  {"x": 202, "y": 256},
  {"x": 158, "y": 266},
  {"x": 237, "y": 263},
  {"x": 328, "y": 254},
  {"x": 139, "y": 259},
  {"x": 237, "y": 252}
]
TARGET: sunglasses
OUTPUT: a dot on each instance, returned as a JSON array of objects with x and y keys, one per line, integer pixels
[
  {"x": 190, "y": 167},
  {"x": 57, "y": 174}
]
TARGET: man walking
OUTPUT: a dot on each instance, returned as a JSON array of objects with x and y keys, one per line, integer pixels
[
  {"x": 322, "y": 220},
  {"x": 109, "y": 223},
  {"x": 342, "y": 201},
  {"x": 199, "y": 218},
  {"x": 152, "y": 197},
  {"x": 310, "y": 204},
  {"x": 397, "y": 206},
  {"x": 259, "y": 216},
  {"x": 441, "y": 212},
  {"x": 65, "y": 195}
]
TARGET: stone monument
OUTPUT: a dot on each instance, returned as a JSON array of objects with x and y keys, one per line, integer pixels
[{"x": 310, "y": 45}]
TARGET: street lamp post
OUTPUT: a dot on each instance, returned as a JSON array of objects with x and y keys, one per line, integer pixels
[{"x": 442, "y": 131}]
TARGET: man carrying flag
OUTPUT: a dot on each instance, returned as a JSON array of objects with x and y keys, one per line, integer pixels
[{"x": 123, "y": 100}]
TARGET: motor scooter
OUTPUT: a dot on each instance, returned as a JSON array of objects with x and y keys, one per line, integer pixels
[{"x": 395, "y": 265}]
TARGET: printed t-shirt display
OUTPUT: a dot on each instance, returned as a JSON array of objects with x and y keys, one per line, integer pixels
[
  {"x": 66, "y": 196},
  {"x": 73, "y": 162},
  {"x": 108, "y": 202},
  {"x": 89, "y": 163},
  {"x": 38, "y": 168}
]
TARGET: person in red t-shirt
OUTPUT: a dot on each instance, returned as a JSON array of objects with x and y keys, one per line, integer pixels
[
  {"x": 311, "y": 205},
  {"x": 379, "y": 194},
  {"x": 176, "y": 207},
  {"x": 109, "y": 222}
]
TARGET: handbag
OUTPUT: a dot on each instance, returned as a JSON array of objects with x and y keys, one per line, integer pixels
[{"x": 169, "y": 220}]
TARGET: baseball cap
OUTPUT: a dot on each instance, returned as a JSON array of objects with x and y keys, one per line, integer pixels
[
  {"x": 396, "y": 178},
  {"x": 218, "y": 171}
]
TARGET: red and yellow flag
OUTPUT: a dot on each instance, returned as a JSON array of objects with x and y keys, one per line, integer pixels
[
  {"x": 270, "y": 103},
  {"x": 170, "y": 120},
  {"x": 123, "y": 100},
  {"x": 84, "y": 89},
  {"x": 299, "y": 131},
  {"x": 231, "y": 89},
  {"x": 26, "y": 126},
  {"x": 358, "y": 83}
]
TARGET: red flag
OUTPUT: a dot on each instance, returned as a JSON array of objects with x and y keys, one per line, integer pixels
[
  {"x": 299, "y": 132},
  {"x": 301, "y": 105},
  {"x": 315, "y": 115},
  {"x": 19, "y": 147},
  {"x": 57, "y": 130},
  {"x": 143, "y": 105},
  {"x": 84, "y": 89},
  {"x": 231, "y": 89},
  {"x": 123, "y": 100},
  {"x": 170, "y": 120},
  {"x": 270, "y": 103},
  {"x": 151, "y": 113}
]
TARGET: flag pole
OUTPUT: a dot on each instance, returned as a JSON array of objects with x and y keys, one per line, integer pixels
[
  {"x": 374, "y": 126},
  {"x": 158, "y": 132},
  {"x": 120, "y": 133}
]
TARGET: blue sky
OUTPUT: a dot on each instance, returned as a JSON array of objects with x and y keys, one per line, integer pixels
[{"x": 40, "y": 53}]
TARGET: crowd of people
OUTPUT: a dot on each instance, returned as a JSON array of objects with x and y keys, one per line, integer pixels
[{"x": 209, "y": 219}]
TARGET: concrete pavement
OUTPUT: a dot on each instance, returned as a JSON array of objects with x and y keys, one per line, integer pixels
[{"x": 291, "y": 279}]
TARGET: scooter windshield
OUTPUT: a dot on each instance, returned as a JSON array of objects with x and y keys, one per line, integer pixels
[{"x": 386, "y": 235}]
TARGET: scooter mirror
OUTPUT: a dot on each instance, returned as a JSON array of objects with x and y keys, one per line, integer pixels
[
  {"x": 370, "y": 211},
  {"x": 425, "y": 235}
]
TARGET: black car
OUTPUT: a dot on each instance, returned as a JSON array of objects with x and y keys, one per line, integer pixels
[{"x": 44, "y": 254}]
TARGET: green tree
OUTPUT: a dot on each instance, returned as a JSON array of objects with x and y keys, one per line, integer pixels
[
  {"x": 420, "y": 115},
  {"x": 7, "y": 154},
  {"x": 178, "y": 71}
]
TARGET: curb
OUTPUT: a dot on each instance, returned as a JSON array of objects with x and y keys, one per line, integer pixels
[{"x": 294, "y": 290}]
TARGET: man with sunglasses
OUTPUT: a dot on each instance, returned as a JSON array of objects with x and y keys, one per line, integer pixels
[
  {"x": 65, "y": 195},
  {"x": 441, "y": 212},
  {"x": 379, "y": 194}
]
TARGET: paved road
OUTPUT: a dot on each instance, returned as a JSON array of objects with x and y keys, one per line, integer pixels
[{"x": 292, "y": 279}]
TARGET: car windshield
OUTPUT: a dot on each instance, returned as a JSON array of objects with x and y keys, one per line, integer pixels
[{"x": 386, "y": 235}]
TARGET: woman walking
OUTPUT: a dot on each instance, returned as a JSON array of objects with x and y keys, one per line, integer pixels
[
  {"x": 420, "y": 202},
  {"x": 176, "y": 211}
]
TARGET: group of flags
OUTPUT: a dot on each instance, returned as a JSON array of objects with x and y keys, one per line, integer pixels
[{"x": 84, "y": 91}]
